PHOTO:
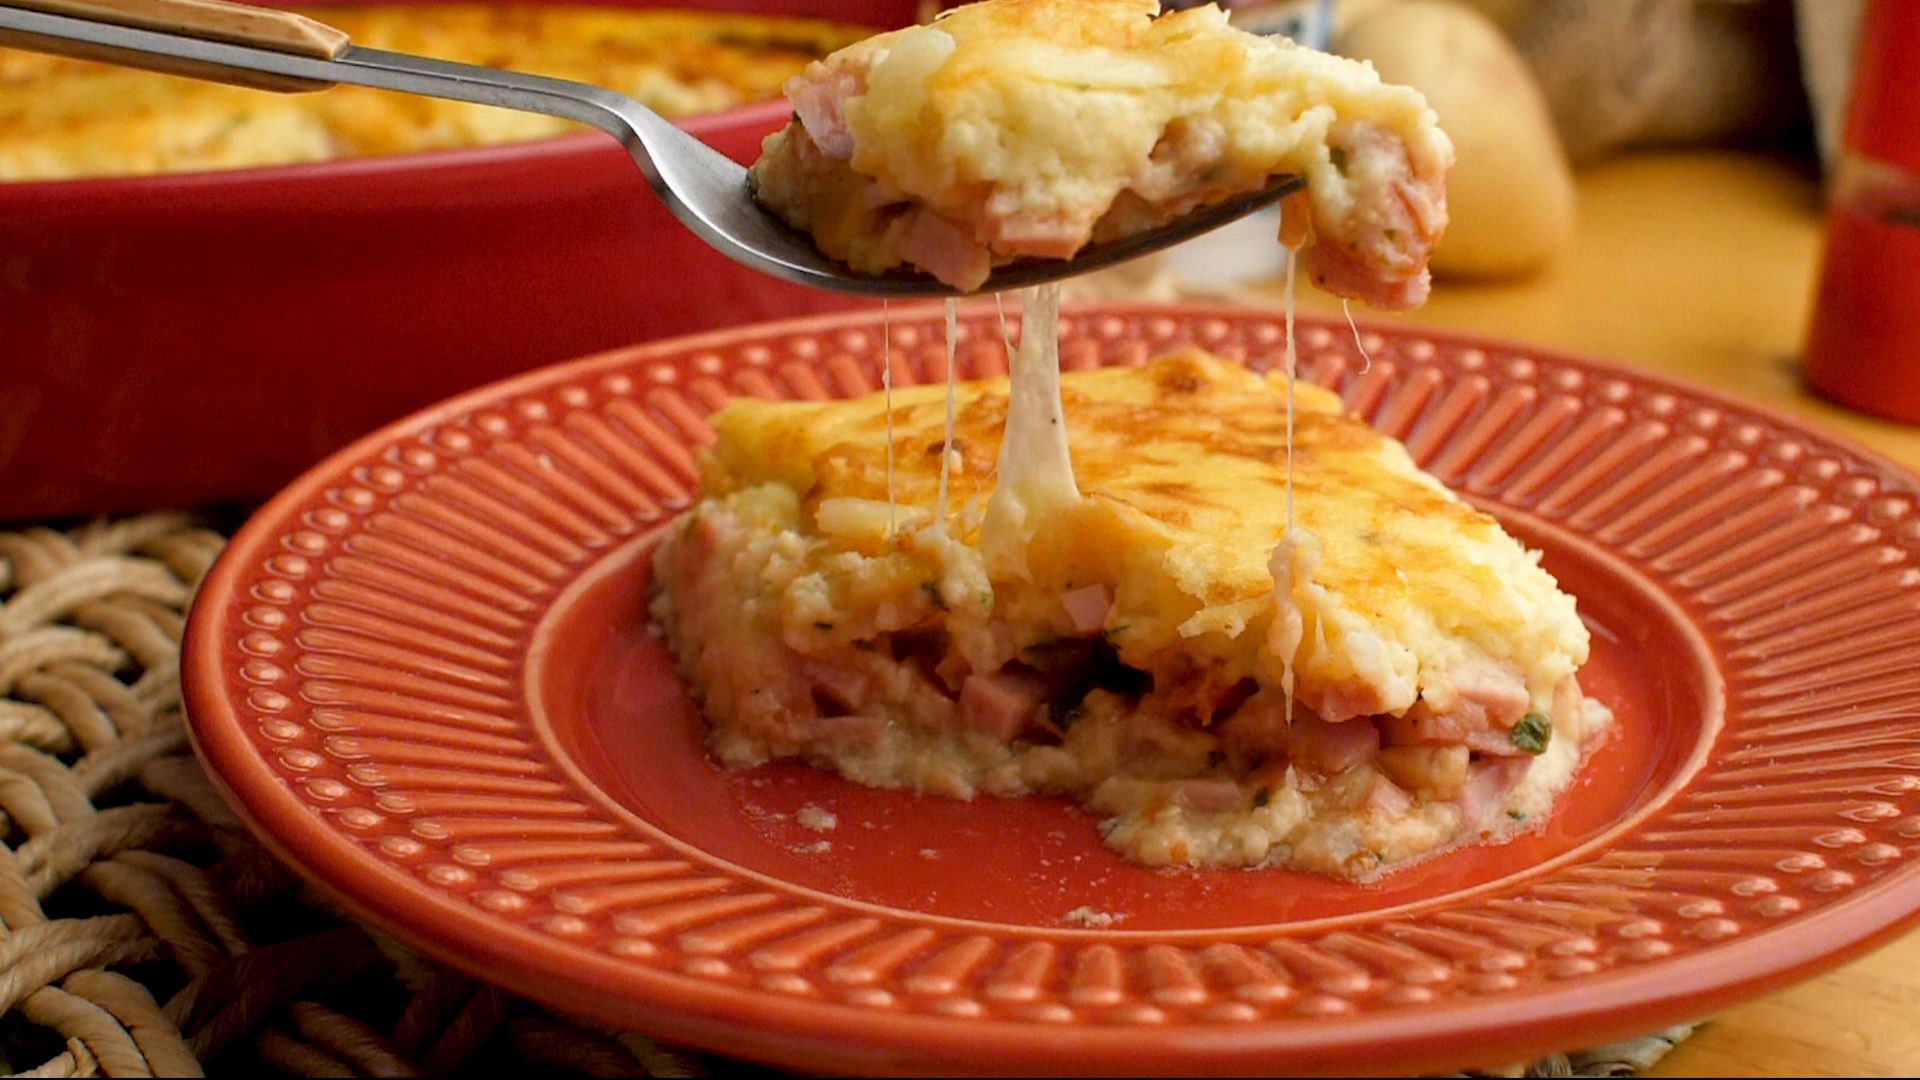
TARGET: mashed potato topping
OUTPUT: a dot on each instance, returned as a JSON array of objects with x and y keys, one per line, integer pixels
[
  {"x": 1016, "y": 128},
  {"x": 1130, "y": 659}
]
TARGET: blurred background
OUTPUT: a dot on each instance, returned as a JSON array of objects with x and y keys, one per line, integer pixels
[
  {"x": 1558, "y": 109},
  {"x": 1656, "y": 181},
  {"x": 1532, "y": 90}
]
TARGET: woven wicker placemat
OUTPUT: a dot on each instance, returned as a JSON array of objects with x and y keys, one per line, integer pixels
[{"x": 146, "y": 934}]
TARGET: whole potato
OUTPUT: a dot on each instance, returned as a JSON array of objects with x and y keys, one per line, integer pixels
[{"x": 1510, "y": 196}]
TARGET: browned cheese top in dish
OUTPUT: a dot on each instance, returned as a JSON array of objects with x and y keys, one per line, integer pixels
[{"x": 66, "y": 119}]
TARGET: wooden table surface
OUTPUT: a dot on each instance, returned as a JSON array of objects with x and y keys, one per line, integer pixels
[{"x": 1702, "y": 265}]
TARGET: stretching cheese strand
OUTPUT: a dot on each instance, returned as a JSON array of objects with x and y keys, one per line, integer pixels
[
  {"x": 886, "y": 383},
  {"x": 946, "y": 447},
  {"x": 1288, "y": 625},
  {"x": 1035, "y": 478},
  {"x": 1006, "y": 336},
  {"x": 1366, "y": 361}
]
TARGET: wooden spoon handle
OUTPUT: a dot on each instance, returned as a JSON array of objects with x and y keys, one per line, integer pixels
[
  {"x": 212, "y": 20},
  {"x": 206, "y": 20}
]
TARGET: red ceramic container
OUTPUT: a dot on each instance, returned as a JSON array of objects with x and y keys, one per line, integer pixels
[
  {"x": 183, "y": 339},
  {"x": 1863, "y": 344}
]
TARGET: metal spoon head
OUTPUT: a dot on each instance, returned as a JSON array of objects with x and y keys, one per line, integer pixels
[{"x": 709, "y": 193}]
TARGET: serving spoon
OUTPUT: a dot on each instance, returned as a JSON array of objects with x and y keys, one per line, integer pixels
[{"x": 283, "y": 51}]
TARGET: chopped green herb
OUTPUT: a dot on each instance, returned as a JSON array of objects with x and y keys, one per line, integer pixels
[
  {"x": 1261, "y": 798},
  {"x": 986, "y": 600},
  {"x": 932, "y": 592},
  {"x": 1532, "y": 733},
  {"x": 1517, "y": 815},
  {"x": 1339, "y": 158}
]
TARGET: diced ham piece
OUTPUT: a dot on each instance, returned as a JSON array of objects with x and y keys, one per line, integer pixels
[
  {"x": 1205, "y": 795},
  {"x": 1409, "y": 730},
  {"x": 1496, "y": 693},
  {"x": 1378, "y": 253},
  {"x": 1342, "y": 701},
  {"x": 1480, "y": 797},
  {"x": 842, "y": 686},
  {"x": 846, "y": 731},
  {"x": 1087, "y": 607},
  {"x": 1386, "y": 799},
  {"x": 1495, "y": 743},
  {"x": 1037, "y": 236},
  {"x": 1259, "y": 725},
  {"x": 1000, "y": 704},
  {"x": 1331, "y": 748},
  {"x": 1421, "y": 728},
  {"x": 1485, "y": 703},
  {"x": 944, "y": 250},
  {"x": 819, "y": 98}
]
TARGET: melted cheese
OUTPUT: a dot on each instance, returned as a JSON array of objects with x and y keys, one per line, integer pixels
[
  {"x": 1035, "y": 486},
  {"x": 886, "y": 387},
  {"x": 946, "y": 443},
  {"x": 1181, "y": 483},
  {"x": 1366, "y": 360},
  {"x": 1287, "y": 620}
]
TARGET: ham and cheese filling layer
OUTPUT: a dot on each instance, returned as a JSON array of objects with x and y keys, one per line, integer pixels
[
  {"x": 1126, "y": 639},
  {"x": 1030, "y": 128}
]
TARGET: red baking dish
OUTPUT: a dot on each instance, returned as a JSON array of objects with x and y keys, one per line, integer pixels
[{"x": 185, "y": 339}]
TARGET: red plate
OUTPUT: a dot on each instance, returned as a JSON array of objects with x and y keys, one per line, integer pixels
[{"x": 423, "y": 674}]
